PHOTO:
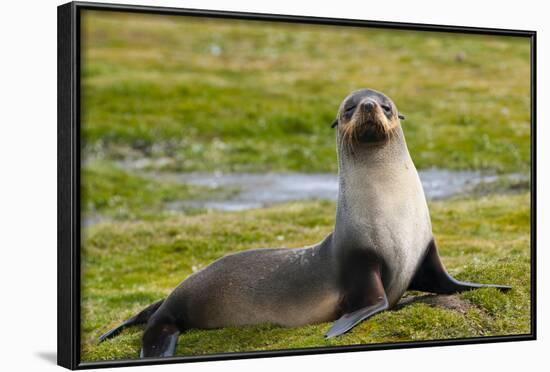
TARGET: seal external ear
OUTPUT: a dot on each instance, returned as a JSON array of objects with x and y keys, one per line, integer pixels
[
  {"x": 432, "y": 276},
  {"x": 401, "y": 116},
  {"x": 334, "y": 123},
  {"x": 372, "y": 300}
]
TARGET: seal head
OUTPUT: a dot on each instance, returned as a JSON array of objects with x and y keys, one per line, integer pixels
[{"x": 367, "y": 116}]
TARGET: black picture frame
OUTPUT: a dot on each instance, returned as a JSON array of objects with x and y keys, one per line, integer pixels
[{"x": 68, "y": 217}]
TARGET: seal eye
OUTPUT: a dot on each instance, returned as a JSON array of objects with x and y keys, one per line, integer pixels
[
  {"x": 349, "y": 111},
  {"x": 387, "y": 109}
]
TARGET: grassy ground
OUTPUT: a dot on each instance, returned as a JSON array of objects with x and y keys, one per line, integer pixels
[
  {"x": 230, "y": 95},
  {"x": 126, "y": 266},
  {"x": 190, "y": 95}
]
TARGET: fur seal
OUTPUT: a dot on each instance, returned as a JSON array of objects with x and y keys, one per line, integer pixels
[{"x": 381, "y": 246}]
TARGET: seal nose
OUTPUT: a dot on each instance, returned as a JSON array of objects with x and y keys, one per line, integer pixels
[{"x": 367, "y": 106}]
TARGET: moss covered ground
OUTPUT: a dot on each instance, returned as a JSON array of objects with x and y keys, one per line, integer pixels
[{"x": 209, "y": 95}]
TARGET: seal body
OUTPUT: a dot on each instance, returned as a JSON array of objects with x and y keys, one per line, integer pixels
[
  {"x": 381, "y": 246},
  {"x": 287, "y": 287}
]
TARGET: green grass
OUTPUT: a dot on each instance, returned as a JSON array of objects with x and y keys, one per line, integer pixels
[
  {"x": 127, "y": 265},
  {"x": 114, "y": 193},
  {"x": 242, "y": 96},
  {"x": 204, "y": 95}
]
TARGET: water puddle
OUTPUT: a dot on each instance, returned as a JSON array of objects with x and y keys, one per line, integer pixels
[{"x": 261, "y": 190}]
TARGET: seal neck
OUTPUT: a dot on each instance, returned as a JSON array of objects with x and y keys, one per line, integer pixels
[
  {"x": 371, "y": 179},
  {"x": 362, "y": 159}
]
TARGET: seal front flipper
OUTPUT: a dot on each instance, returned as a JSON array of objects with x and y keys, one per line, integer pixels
[
  {"x": 159, "y": 339},
  {"x": 431, "y": 276},
  {"x": 361, "y": 305},
  {"x": 348, "y": 321}
]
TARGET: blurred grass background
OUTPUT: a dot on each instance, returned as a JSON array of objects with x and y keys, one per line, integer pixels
[
  {"x": 189, "y": 94},
  {"x": 256, "y": 96}
]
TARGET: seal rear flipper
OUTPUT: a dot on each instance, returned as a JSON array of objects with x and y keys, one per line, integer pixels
[
  {"x": 348, "y": 321},
  {"x": 363, "y": 302},
  {"x": 141, "y": 318},
  {"x": 115, "y": 331},
  {"x": 431, "y": 276},
  {"x": 159, "y": 340}
]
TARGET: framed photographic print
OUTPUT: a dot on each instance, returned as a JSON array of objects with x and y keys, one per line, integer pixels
[{"x": 237, "y": 185}]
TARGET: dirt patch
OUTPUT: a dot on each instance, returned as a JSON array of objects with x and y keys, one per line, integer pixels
[{"x": 450, "y": 302}]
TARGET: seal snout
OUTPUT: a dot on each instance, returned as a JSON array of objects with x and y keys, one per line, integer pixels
[
  {"x": 369, "y": 110},
  {"x": 368, "y": 105},
  {"x": 370, "y": 117}
]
